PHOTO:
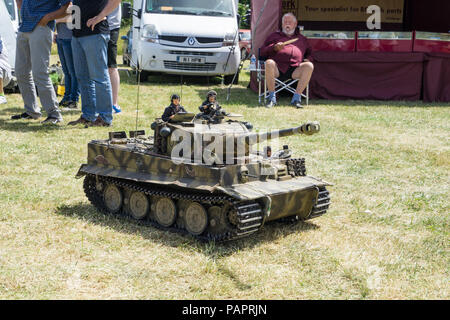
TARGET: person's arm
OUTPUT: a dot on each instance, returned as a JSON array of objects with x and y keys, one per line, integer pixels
[
  {"x": 166, "y": 115},
  {"x": 65, "y": 19},
  {"x": 61, "y": 12},
  {"x": 19, "y": 4},
  {"x": 110, "y": 7},
  {"x": 269, "y": 45}
]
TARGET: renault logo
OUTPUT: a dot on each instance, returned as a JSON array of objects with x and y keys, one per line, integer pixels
[{"x": 191, "y": 41}]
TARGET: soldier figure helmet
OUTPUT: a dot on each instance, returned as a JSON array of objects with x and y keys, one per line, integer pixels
[
  {"x": 173, "y": 97},
  {"x": 211, "y": 93}
]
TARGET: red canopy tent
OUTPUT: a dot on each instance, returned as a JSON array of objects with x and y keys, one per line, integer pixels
[{"x": 372, "y": 71}]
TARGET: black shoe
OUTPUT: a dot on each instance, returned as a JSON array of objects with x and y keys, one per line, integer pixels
[
  {"x": 22, "y": 116},
  {"x": 297, "y": 104},
  {"x": 99, "y": 122},
  {"x": 52, "y": 120},
  {"x": 80, "y": 120}
]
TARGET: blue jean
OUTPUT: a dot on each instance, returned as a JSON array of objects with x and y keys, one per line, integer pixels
[
  {"x": 90, "y": 60},
  {"x": 72, "y": 92}
]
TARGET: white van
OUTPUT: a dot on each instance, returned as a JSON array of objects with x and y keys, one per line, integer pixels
[
  {"x": 189, "y": 37},
  {"x": 11, "y": 7},
  {"x": 8, "y": 31}
]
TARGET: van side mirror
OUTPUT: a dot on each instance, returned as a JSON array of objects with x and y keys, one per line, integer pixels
[{"x": 126, "y": 10}]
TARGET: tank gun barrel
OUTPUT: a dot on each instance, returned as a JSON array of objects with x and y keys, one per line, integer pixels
[{"x": 308, "y": 128}]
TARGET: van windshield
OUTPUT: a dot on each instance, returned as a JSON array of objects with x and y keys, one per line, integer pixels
[
  {"x": 10, "y": 7},
  {"x": 218, "y": 8}
]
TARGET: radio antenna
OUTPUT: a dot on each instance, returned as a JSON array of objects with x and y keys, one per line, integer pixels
[
  {"x": 139, "y": 70},
  {"x": 181, "y": 88}
]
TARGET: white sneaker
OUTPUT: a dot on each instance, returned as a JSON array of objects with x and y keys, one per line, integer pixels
[{"x": 3, "y": 100}]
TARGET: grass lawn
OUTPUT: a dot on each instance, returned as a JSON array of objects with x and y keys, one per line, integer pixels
[{"x": 386, "y": 235}]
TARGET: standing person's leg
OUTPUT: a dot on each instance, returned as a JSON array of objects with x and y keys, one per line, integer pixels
[
  {"x": 112, "y": 68},
  {"x": 99, "y": 73},
  {"x": 86, "y": 89},
  {"x": 74, "y": 89},
  {"x": 24, "y": 78},
  {"x": 40, "y": 47},
  {"x": 67, "y": 80}
]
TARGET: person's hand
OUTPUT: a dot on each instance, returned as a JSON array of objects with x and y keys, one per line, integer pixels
[
  {"x": 171, "y": 117},
  {"x": 54, "y": 37},
  {"x": 44, "y": 21},
  {"x": 279, "y": 46},
  {"x": 92, "y": 22}
]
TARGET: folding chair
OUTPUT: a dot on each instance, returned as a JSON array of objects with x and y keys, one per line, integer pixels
[{"x": 279, "y": 84}]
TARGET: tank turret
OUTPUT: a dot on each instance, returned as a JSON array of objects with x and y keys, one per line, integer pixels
[{"x": 228, "y": 142}]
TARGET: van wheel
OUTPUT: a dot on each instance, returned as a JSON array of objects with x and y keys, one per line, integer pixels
[
  {"x": 143, "y": 75},
  {"x": 227, "y": 79}
]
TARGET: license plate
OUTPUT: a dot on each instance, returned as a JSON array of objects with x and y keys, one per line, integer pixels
[{"x": 182, "y": 59}]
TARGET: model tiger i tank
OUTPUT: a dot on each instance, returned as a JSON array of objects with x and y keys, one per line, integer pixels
[{"x": 179, "y": 180}]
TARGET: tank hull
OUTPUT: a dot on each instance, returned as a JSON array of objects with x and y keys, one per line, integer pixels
[{"x": 216, "y": 201}]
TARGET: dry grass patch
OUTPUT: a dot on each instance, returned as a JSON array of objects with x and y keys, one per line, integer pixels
[{"x": 386, "y": 235}]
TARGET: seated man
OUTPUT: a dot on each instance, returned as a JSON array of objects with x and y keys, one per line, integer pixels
[
  {"x": 290, "y": 60},
  {"x": 173, "y": 109},
  {"x": 5, "y": 71}
]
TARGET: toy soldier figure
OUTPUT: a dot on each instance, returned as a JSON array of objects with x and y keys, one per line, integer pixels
[{"x": 173, "y": 109}]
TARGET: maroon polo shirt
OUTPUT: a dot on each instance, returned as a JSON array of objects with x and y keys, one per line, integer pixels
[{"x": 291, "y": 55}]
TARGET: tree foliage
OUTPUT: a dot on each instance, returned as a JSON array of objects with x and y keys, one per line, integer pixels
[{"x": 244, "y": 12}]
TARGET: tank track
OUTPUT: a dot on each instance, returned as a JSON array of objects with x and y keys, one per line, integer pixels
[
  {"x": 322, "y": 203},
  {"x": 320, "y": 207},
  {"x": 246, "y": 216}
]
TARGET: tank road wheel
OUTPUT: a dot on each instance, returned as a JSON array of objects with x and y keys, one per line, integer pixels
[
  {"x": 218, "y": 223},
  {"x": 113, "y": 198},
  {"x": 196, "y": 218},
  {"x": 166, "y": 212},
  {"x": 139, "y": 205}
]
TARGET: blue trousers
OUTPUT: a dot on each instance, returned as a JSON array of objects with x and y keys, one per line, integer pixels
[
  {"x": 72, "y": 92},
  {"x": 90, "y": 60}
]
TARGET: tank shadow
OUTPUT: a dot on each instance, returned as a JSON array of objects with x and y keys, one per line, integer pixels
[{"x": 272, "y": 231}]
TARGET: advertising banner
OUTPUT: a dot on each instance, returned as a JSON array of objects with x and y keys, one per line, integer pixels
[{"x": 344, "y": 10}]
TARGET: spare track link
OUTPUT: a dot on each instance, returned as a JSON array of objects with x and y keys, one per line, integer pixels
[
  {"x": 248, "y": 214},
  {"x": 296, "y": 167}
]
